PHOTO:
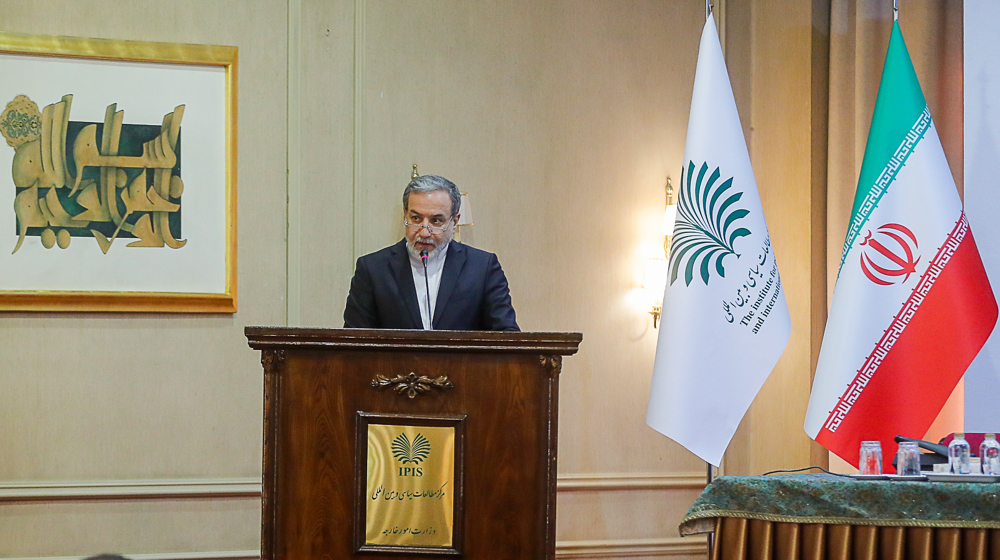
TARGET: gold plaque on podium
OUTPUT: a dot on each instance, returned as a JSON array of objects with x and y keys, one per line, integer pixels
[{"x": 412, "y": 482}]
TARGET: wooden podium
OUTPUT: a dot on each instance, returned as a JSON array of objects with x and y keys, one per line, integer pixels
[{"x": 354, "y": 417}]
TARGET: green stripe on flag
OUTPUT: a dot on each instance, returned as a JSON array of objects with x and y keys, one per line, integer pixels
[
  {"x": 899, "y": 122},
  {"x": 861, "y": 213}
]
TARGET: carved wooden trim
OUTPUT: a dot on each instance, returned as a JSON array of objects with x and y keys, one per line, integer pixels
[
  {"x": 551, "y": 364},
  {"x": 260, "y": 338},
  {"x": 273, "y": 361},
  {"x": 412, "y": 384},
  {"x": 274, "y": 369}
]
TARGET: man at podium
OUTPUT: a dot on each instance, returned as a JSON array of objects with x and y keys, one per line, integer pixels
[{"x": 427, "y": 280}]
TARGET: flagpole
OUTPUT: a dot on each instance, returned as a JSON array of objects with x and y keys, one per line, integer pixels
[
  {"x": 711, "y": 536},
  {"x": 895, "y": 10},
  {"x": 708, "y": 8}
]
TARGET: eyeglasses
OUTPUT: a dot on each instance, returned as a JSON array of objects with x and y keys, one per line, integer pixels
[{"x": 433, "y": 230}]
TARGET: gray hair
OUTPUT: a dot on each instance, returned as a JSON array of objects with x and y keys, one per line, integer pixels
[{"x": 431, "y": 183}]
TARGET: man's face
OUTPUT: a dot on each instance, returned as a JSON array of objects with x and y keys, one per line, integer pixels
[{"x": 429, "y": 209}]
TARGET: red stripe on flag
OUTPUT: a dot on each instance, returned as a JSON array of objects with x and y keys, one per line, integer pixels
[{"x": 928, "y": 359}]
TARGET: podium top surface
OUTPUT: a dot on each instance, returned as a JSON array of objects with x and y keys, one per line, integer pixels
[{"x": 271, "y": 338}]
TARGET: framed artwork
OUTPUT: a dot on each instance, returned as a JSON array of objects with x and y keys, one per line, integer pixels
[{"x": 118, "y": 178}]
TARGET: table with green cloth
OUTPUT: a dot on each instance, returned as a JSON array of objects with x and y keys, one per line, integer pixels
[{"x": 824, "y": 516}]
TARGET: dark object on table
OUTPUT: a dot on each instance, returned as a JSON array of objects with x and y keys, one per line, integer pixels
[{"x": 938, "y": 453}]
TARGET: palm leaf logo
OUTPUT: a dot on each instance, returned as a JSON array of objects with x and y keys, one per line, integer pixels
[
  {"x": 704, "y": 232},
  {"x": 406, "y": 452}
]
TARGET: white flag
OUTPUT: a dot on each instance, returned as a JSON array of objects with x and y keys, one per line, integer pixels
[{"x": 725, "y": 321}]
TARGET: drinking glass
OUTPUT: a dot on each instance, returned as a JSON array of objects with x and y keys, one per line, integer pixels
[
  {"x": 870, "y": 461},
  {"x": 908, "y": 459}
]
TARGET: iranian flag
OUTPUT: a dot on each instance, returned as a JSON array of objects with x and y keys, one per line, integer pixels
[
  {"x": 912, "y": 306},
  {"x": 725, "y": 322}
]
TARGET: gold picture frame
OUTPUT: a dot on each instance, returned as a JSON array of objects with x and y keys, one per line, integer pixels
[{"x": 99, "y": 217}]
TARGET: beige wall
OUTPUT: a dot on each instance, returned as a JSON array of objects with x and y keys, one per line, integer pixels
[
  {"x": 562, "y": 119},
  {"x": 142, "y": 398},
  {"x": 778, "y": 53}
]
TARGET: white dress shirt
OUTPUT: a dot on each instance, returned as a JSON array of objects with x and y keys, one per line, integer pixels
[{"x": 435, "y": 264}]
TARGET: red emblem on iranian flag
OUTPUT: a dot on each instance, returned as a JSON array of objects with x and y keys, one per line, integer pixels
[{"x": 889, "y": 256}]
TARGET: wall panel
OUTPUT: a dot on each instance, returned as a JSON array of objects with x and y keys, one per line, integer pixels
[
  {"x": 782, "y": 91},
  {"x": 325, "y": 193},
  {"x": 150, "y": 526},
  {"x": 121, "y": 396}
]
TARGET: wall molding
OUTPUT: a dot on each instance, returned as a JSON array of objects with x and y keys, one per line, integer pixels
[
  {"x": 211, "y": 555},
  {"x": 251, "y": 487},
  {"x": 630, "y": 481},
  {"x": 224, "y": 488},
  {"x": 632, "y": 548},
  {"x": 624, "y": 548},
  {"x": 230, "y": 488}
]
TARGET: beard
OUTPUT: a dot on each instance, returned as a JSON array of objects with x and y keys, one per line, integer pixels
[{"x": 438, "y": 245}]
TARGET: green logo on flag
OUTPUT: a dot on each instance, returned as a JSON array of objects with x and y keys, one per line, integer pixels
[
  {"x": 406, "y": 452},
  {"x": 706, "y": 225}
]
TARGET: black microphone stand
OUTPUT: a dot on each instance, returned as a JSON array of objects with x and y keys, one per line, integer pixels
[{"x": 427, "y": 286}]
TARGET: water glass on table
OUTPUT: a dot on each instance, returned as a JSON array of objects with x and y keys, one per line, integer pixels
[
  {"x": 908, "y": 459},
  {"x": 870, "y": 461}
]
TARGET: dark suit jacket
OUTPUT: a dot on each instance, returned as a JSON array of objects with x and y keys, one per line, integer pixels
[{"x": 473, "y": 294}]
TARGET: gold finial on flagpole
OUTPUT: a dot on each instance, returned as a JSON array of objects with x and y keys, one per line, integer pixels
[{"x": 414, "y": 175}]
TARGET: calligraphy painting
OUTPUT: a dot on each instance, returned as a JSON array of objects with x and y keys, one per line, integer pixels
[{"x": 121, "y": 189}]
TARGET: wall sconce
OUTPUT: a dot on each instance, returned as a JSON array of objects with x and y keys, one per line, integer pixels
[
  {"x": 464, "y": 216},
  {"x": 654, "y": 280},
  {"x": 464, "y": 210}
]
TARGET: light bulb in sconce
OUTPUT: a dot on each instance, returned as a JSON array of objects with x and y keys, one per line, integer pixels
[{"x": 654, "y": 281}]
